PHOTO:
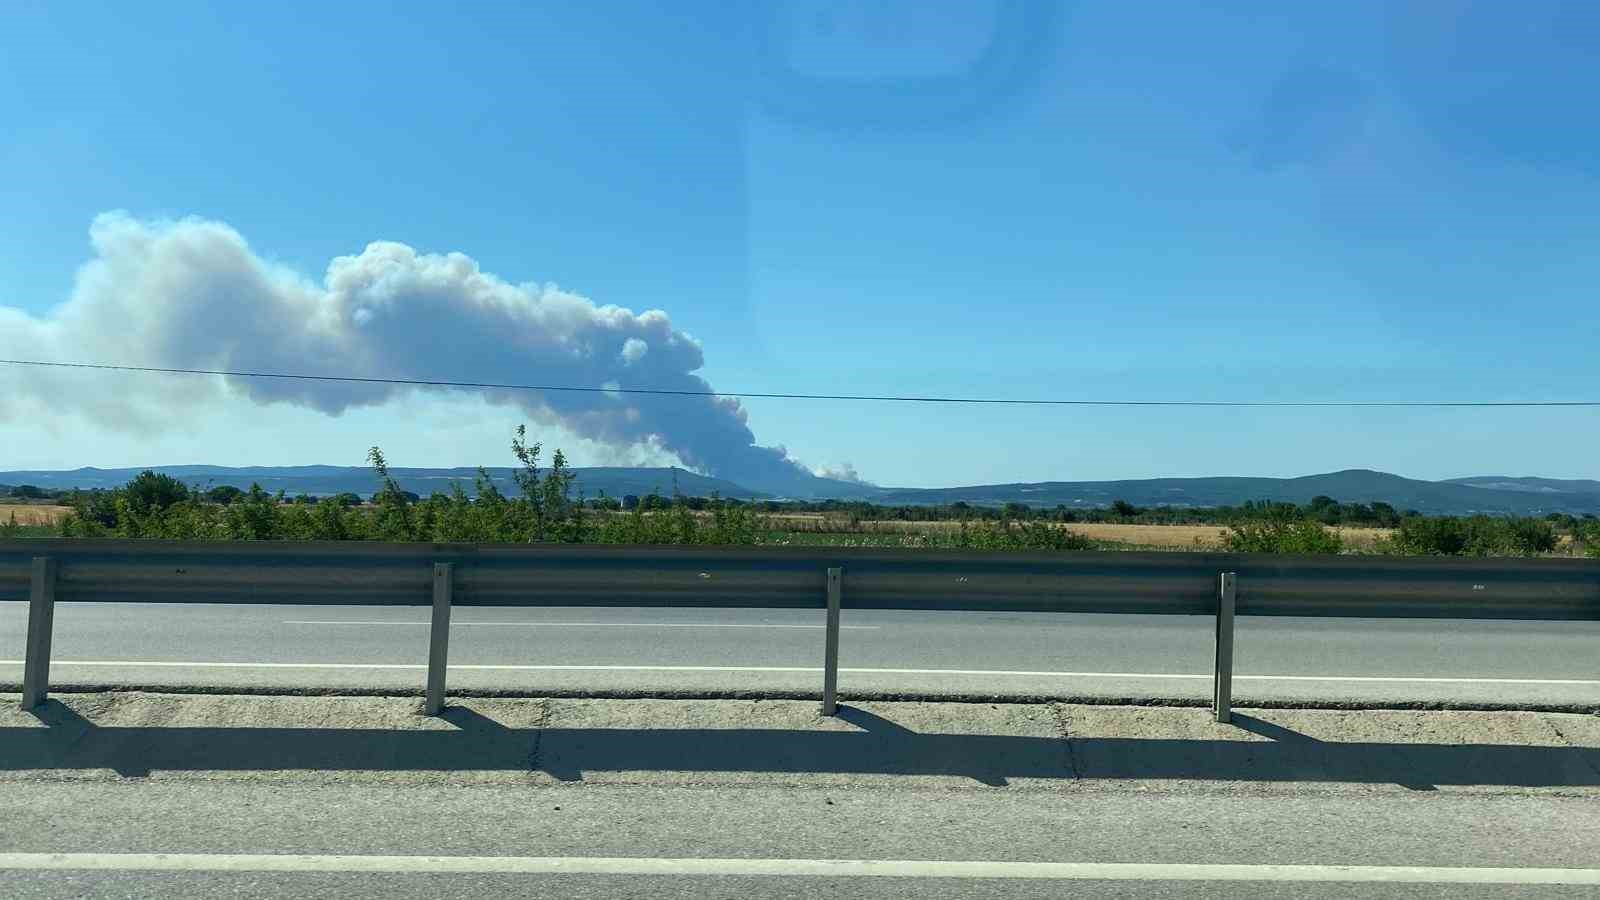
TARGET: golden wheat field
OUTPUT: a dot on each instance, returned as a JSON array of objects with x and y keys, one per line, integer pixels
[{"x": 32, "y": 514}]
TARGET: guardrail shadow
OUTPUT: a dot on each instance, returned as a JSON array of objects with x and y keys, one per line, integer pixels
[{"x": 476, "y": 743}]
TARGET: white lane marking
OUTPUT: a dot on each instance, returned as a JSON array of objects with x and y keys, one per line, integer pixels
[
  {"x": 1420, "y": 679},
  {"x": 509, "y": 667},
  {"x": 582, "y": 624},
  {"x": 832, "y": 868}
]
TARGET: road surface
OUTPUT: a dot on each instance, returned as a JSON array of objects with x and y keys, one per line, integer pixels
[
  {"x": 189, "y": 795},
  {"x": 882, "y": 652},
  {"x": 649, "y": 841}
]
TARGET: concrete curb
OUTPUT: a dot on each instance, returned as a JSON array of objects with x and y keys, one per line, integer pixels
[{"x": 88, "y": 687}]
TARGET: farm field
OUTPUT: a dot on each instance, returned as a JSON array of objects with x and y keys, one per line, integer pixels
[
  {"x": 1166, "y": 537},
  {"x": 820, "y": 529},
  {"x": 32, "y": 513},
  {"x": 1175, "y": 536}
]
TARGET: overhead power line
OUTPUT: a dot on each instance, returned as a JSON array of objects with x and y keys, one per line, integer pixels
[{"x": 768, "y": 395}]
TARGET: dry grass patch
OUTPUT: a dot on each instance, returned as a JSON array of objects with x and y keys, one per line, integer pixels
[
  {"x": 1151, "y": 535},
  {"x": 1362, "y": 538},
  {"x": 33, "y": 514},
  {"x": 1185, "y": 537},
  {"x": 1355, "y": 538}
]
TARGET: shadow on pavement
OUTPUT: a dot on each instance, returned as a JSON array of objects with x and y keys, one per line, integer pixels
[{"x": 476, "y": 743}]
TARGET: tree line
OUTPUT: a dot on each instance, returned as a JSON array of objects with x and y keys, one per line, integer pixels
[{"x": 547, "y": 506}]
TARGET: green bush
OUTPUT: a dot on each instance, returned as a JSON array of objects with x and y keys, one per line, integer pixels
[
  {"x": 1423, "y": 536},
  {"x": 1281, "y": 534},
  {"x": 151, "y": 492},
  {"x": 224, "y": 494},
  {"x": 989, "y": 535},
  {"x": 1474, "y": 536},
  {"x": 255, "y": 516},
  {"x": 1530, "y": 537},
  {"x": 1587, "y": 533}
]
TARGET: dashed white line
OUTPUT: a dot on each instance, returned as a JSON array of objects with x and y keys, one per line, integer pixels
[{"x": 812, "y": 868}]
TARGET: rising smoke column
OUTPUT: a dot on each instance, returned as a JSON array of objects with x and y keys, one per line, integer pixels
[{"x": 192, "y": 294}]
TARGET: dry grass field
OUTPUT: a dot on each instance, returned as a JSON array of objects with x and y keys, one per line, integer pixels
[
  {"x": 1185, "y": 537},
  {"x": 33, "y": 514}
]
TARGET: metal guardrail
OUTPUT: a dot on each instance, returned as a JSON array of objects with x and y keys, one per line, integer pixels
[{"x": 445, "y": 575}]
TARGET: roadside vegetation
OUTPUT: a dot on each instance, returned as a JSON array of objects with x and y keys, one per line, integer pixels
[{"x": 548, "y": 505}]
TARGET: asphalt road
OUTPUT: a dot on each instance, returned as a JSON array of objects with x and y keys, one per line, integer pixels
[
  {"x": 923, "y": 653},
  {"x": 647, "y": 841}
]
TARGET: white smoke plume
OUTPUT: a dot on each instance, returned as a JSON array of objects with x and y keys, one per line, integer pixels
[
  {"x": 192, "y": 294},
  {"x": 842, "y": 472}
]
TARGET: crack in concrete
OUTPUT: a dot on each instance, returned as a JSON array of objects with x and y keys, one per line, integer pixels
[
  {"x": 1064, "y": 728},
  {"x": 539, "y": 726}
]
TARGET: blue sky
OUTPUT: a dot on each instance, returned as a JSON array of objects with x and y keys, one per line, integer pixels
[{"x": 1083, "y": 200}]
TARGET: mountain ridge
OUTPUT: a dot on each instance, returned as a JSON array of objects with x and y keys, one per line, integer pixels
[{"x": 1530, "y": 484}]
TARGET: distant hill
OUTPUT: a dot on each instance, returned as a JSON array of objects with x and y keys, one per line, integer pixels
[
  {"x": 328, "y": 480},
  {"x": 1531, "y": 485},
  {"x": 1485, "y": 494},
  {"x": 1351, "y": 485}
]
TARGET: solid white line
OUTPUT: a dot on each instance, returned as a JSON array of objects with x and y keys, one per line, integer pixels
[
  {"x": 831, "y": 868},
  {"x": 1165, "y": 676},
  {"x": 583, "y": 624},
  {"x": 1403, "y": 679}
]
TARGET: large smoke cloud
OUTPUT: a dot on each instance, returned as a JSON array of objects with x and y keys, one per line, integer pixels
[{"x": 192, "y": 294}]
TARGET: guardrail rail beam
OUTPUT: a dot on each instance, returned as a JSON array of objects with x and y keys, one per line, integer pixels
[
  {"x": 43, "y": 571},
  {"x": 41, "y": 625}
]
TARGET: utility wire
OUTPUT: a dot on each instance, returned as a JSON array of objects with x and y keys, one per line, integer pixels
[{"x": 755, "y": 395}]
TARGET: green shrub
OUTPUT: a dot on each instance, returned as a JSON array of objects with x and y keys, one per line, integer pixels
[
  {"x": 93, "y": 513},
  {"x": 254, "y": 517},
  {"x": 1474, "y": 536},
  {"x": 224, "y": 494},
  {"x": 151, "y": 492},
  {"x": 1281, "y": 534},
  {"x": 1005, "y": 535},
  {"x": 1430, "y": 536},
  {"x": 732, "y": 523},
  {"x": 1587, "y": 533},
  {"x": 1530, "y": 537}
]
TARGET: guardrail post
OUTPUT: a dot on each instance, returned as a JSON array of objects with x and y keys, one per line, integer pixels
[
  {"x": 830, "y": 655},
  {"x": 41, "y": 625},
  {"x": 1222, "y": 693},
  {"x": 439, "y": 637}
]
